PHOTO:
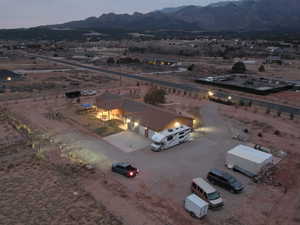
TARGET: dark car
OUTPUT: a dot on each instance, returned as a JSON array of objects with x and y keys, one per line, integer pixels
[
  {"x": 125, "y": 169},
  {"x": 225, "y": 180},
  {"x": 73, "y": 94}
]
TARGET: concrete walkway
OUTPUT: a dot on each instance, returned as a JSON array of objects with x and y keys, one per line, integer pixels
[{"x": 128, "y": 141}]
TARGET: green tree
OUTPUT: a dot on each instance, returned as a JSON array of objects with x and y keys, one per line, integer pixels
[
  {"x": 239, "y": 67},
  {"x": 191, "y": 67},
  {"x": 155, "y": 96},
  {"x": 262, "y": 68},
  {"x": 110, "y": 60}
]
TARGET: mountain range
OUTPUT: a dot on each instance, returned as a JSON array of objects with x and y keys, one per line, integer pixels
[{"x": 243, "y": 15}]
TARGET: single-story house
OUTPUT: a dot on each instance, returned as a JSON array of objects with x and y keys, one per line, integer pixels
[{"x": 142, "y": 118}]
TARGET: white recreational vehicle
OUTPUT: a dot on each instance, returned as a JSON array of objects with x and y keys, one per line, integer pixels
[{"x": 170, "y": 137}]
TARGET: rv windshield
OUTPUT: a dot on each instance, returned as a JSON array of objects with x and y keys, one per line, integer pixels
[
  {"x": 213, "y": 196},
  {"x": 157, "y": 143}
]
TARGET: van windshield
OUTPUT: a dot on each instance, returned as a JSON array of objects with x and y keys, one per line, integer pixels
[{"x": 213, "y": 196}]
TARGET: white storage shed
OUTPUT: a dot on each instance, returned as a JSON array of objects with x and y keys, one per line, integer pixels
[{"x": 247, "y": 158}]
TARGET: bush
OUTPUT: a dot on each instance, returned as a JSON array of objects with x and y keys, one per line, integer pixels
[
  {"x": 250, "y": 103},
  {"x": 155, "y": 96},
  {"x": 278, "y": 113},
  {"x": 262, "y": 68},
  {"x": 191, "y": 67},
  {"x": 277, "y": 132},
  {"x": 110, "y": 60},
  {"x": 241, "y": 103},
  {"x": 238, "y": 67}
]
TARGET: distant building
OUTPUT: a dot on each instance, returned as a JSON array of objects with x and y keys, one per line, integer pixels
[
  {"x": 274, "y": 50},
  {"x": 159, "y": 62},
  {"x": 274, "y": 59}
]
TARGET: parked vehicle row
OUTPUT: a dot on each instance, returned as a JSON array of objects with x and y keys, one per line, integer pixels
[
  {"x": 203, "y": 192},
  {"x": 203, "y": 195},
  {"x": 88, "y": 92}
]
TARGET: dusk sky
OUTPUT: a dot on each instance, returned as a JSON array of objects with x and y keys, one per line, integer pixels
[{"x": 28, "y": 13}]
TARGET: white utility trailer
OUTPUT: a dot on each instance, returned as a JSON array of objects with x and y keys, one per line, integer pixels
[
  {"x": 196, "y": 206},
  {"x": 247, "y": 158}
]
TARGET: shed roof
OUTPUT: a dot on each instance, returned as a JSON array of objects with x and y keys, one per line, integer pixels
[{"x": 249, "y": 153}]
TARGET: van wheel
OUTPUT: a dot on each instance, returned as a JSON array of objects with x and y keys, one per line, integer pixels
[{"x": 193, "y": 214}]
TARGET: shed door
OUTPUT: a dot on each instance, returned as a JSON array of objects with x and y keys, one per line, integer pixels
[{"x": 142, "y": 130}]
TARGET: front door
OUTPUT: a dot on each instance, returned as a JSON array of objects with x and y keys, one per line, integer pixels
[{"x": 146, "y": 132}]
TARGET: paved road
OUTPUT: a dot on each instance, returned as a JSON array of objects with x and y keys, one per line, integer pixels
[{"x": 186, "y": 87}]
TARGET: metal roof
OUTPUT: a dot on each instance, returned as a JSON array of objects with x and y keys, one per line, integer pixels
[{"x": 249, "y": 153}]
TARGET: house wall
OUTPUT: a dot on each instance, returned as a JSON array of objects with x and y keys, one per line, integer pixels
[
  {"x": 110, "y": 114},
  {"x": 141, "y": 130}
]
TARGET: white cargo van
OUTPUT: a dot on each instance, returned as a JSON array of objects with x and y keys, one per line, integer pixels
[
  {"x": 170, "y": 137},
  {"x": 205, "y": 191},
  {"x": 196, "y": 206}
]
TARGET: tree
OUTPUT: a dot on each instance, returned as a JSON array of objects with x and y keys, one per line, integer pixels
[
  {"x": 110, "y": 60},
  {"x": 155, "y": 96},
  {"x": 261, "y": 68},
  {"x": 191, "y": 67},
  {"x": 238, "y": 67}
]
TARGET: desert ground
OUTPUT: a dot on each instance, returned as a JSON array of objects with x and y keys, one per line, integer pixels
[
  {"x": 56, "y": 167},
  {"x": 156, "y": 195}
]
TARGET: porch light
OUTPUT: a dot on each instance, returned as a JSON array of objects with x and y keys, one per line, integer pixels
[
  {"x": 136, "y": 124},
  {"x": 229, "y": 97},
  {"x": 210, "y": 93},
  {"x": 128, "y": 121},
  {"x": 177, "y": 124},
  {"x": 8, "y": 78}
]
